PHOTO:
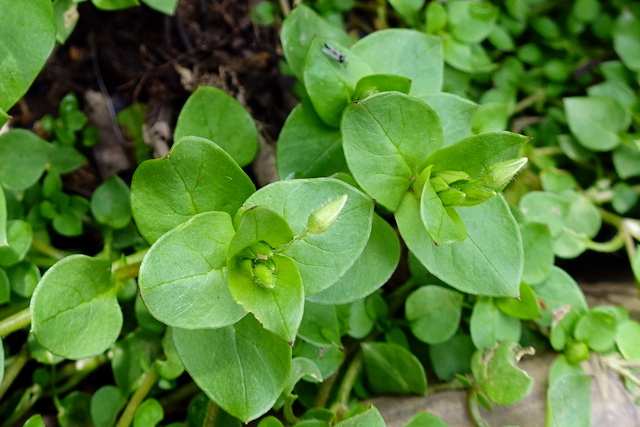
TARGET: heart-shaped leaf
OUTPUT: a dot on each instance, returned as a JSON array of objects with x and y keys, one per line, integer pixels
[
  {"x": 183, "y": 279},
  {"x": 212, "y": 114},
  {"x": 386, "y": 139},
  {"x": 243, "y": 368},
  {"x": 24, "y": 156},
  {"x": 279, "y": 308},
  {"x": 307, "y": 147},
  {"x": 371, "y": 270},
  {"x": 488, "y": 262},
  {"x": 28, "y": 34},
  {"x": 196, "y": 176},
  {"x": 74, "y": 310},
  {"x": 321, "y": 258},
  {"x": 407, "y": 53},
  {"x": 434, "y": 313}
]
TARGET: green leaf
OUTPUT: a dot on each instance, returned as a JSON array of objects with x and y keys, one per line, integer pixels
[
  {"x": 183, "y": 276},
  {"x": 434, "y": 313},
  {"x": 1, "y": 361},
  {"x": 474, "y": 155},
  {"x": 489, "y": 262},
  {"x": 526, "y": 307},
  {"x": 452, "y": 357},
  {"x": 320, "y": 325},
  {"x": 595, "y": 121},
  {"x": 24, "y": 278},
  {"x": 4, "y": 117},
  {"x": 470, "y": 21},
  {"x": 66, "y": 13},
  {"x": 455, "y": 114},
  {"x": 114, "y": 4},
  {"x": 106, "y": 403},
  {"x": 148, "y": 414},
  {"x": 322, "y": 258},
  {"x": 489, "y": 325},
  {"x": 167, "y": 7},
  {"x": 331, "y": 81},
  {"x": 24, "y": 156},
  {"x": 278, "y": 309},
  {"x": 370, "y": 418},
  {"x": 301, "y": 367},
  {"x": 469, "y": 58},
  {"x": 557, "y": 290},
  {"x": 571, "y": 218},
  {"x": 375, "y": 83},
  {"x": 212, "y": 114},
  {"x": 196, "y": 176},
  {"x": 19, "y": 237},
  {"x": 172, "y": 367},
  {"x": 74, "y": 410},
  {"x": 65, "y": 158},
  {"x": 259, "y": 224},
  {"x": 386, "y": 138},
  {"x": 407, "y": 53},
  {"x": 626, "y": 160},
  {"x": 425, "y": 419},
  {"x": 243, "y": 367},
  {"x": 407, "y": 8},
  {"x": 308, "y": 148},
  {"x": 298, "y": 31},
  {"x": 538, "y": 252},
  {"x": 626, "y": 39},
  {"x": 3, "y": 219},
  {"x": 624, "y": 197},
  {"x": 370, "y": 271},
  {"x": 34, "y": 421},
  {"x": 392, "y": 369},
  {"x": 28, "y": 35},
  {"x": 68, "y": 222},
  {"x": 110, "y": 203},
  {"x": 74, "y": 310},
  {"x": 597, "y": 330},
  {"x": 132, "y": 357},
  {"x": 569, "y": 400},
  {"x": 442, "y": 223},
  {"x": 327, "y": 359},
  {"x": 496, "y": 372},
  {"x": 628, "y": 340}
]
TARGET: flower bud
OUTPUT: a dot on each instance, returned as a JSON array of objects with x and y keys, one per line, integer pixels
[
  {"x": 438, "y": 184},
  {"x": 450, "y": 176},
  {"x": 264, "y": 276},
  {"x": 451, "y": 197},
  {"x": 499, "y": 174},
  {"x": 323, "y": 218}
]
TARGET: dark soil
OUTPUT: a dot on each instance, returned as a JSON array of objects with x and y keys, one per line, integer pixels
[{"x": 142, "y": 56}]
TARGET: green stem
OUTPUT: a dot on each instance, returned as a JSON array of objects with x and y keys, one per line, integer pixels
[
  {"x": 349, "y": 379},
  {"x": 381, "y": 11},
  {"x": 211, "y": 415},
  {"x": 474, "y": 410},
  {"x": 28, "y": 399},
  {"x": 12, "y": 372},
  {"x": 399, "y": 295},
  {"x": 77, "y": 371},
  {"x": 284, "y": 7},
  {"x": 539, "y": 95},
  {"x": 48, "y": 250},
  {"x": 324, "y": 391},
  {"x": 287, "y": 409},
  {"x": 129, "y": 267},
  {"x": 148, "y": 381},
  {"x": 16, "y": 321},
  {"x": 173, "y": 401}
]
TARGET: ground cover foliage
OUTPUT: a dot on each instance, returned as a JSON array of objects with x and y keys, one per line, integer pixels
[{"x": 437, "y": 160}]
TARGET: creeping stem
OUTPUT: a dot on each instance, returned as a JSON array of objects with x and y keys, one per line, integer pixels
[{"x": 148, "y": 381}]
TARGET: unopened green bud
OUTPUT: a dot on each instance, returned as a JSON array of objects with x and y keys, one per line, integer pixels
[
  {"x": 576, "y": 352},
  {"x": 499, "y": 174},
  {"x": 323, "y": 218},
  {"x": 479, "y": 193},
  {"x": 451, "y": 197},
  {"x": 438, "y": 184},
  {"x": 261, "y": 250},
  {"x": 264, "y": 276},
  {"x": 452, "y": 176}
]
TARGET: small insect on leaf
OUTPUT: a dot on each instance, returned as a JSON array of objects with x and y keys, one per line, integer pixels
[{"x": 333, "y": 53}]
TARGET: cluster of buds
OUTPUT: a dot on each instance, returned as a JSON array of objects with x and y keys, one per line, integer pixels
[{"x": 458, "y": 188}]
